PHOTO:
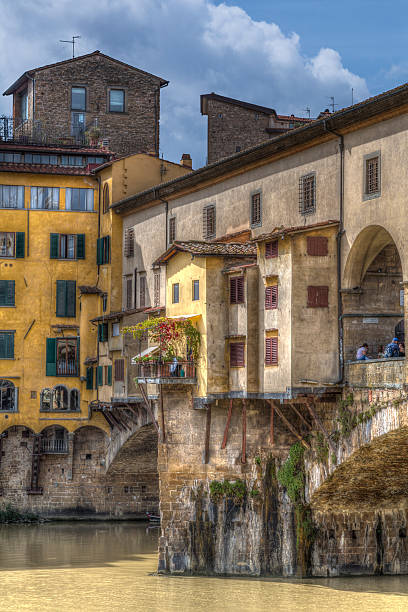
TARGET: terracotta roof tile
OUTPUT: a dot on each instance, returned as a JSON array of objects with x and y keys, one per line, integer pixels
[
  {"x": 45, "y": 169},
  {"x": 208, "y": 249},
  {"x": 89, "y": 289},
  {"x": 283, "y": 231}
]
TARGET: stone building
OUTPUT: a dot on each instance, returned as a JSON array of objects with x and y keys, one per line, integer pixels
[
  {"x": 235, "y": 125},
  {"x": 90, "y": 98}
]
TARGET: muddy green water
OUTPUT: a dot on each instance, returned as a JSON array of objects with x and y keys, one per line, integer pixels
[{"x": 107, "y": 566}]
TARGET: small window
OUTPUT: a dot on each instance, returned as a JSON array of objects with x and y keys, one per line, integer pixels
[
  {"x": 237, "y": 354},
  {"x": 77, "y": 198},
  {"x": 103, "y": 250},
  {"x": 7, "y": 292},
  {"x": 67, "y": 356},
  {"x": 60, "y": 398},
  {"x": 271, "y": 351},
  {"x": 157, "y": 288},
  {"x": 256, "y": 210},
  {"x": 67, "y": 246},
  {"x": 45, "y": 198},
  {"x": 317, "y": 246},
  {"x": 176, "y": 293},
  {"x": 115, "y": 329},
  {"x": 237, "y": 149},
  {"x": 119, "y": 370},
  {"x": 7, "y": 244},
  {"x": 237, "y": 290},
  {"x": 271, "y": 297},
  {"x": 307, "y": 194},
  {"x": 105, "y": 197},
  {"x": 129, "y": 292},
  {"x": 219, "y": 115},
  {"x": 116, "y": 101},
  {"x": 6, "y": 344},
  {"x": 372, "y": 175},
  {"x": 142, "y": 291},
  {"x": 11, "y": 196},
  {"x": 129, "y": 242},
  {"x": 104, "y": 302},
  {"x": 102, "y": 332},
  {"x": 8, "y": 396},
  {"x": 209, "y": 222},
  {"x": 46, "y": 400},
  {"x": 66, "y": 298},
  {"x": 24, "y": 105},
  {"x": 271, "y": 249},
  {"x": 78, "y": 98},
  {"x": 196, "y": 290},
  {"x": 317, "y": 297},
  {"x": 71, "y": 160},
  {"x": 172, "y": 229}
]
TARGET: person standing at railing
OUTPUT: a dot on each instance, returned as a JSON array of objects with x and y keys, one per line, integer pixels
[
  {"x": 392, "y": 349},
  {"x": 174, "y": 367},
  {"x": 361, "y": 354}
]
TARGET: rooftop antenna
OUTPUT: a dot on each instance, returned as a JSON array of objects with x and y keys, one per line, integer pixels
[
  {"x": 71, "y": 42},
  {"x": 332, "y": 104},
  {"x": 352, "y": 96},
  {"x": 306, "y": 110}
]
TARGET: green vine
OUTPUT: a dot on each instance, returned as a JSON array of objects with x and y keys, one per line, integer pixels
[
  {"x": 322, "y": 448},
  {"x": 235, "y": 490}
]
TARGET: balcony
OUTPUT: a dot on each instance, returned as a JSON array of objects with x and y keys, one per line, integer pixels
[
  {"x": 54, "y": 446},
  {"x": 14, "y": 130},
  {"x": 169, "y": 372},
  {"x": 67, "y": 367},
  {"x": 376, "y": 373}
]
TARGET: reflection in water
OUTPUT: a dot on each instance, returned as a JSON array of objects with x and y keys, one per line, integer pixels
[{"x": 107, "y": 566}]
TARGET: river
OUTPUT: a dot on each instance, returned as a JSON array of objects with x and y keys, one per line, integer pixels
[{"x": 108, "y": 566}]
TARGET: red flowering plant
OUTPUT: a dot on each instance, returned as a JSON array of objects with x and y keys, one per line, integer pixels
[{"x": 174, "y": 337}]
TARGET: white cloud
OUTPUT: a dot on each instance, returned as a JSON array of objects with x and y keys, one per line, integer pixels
[{"x": 198, "y": 45}]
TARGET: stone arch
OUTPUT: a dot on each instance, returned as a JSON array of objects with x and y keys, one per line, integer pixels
[
  {"x": 54, "y": 439},
  {"x": 142, "y": 443}
]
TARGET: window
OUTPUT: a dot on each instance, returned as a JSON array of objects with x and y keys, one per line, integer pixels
[
  {"x": 115, "y": 329},
  {"x": 103, "y": 250},
  {"x": 129, "y": 287},
  {"x": 89, "y": 378},
  {"x": 237, "y": 354},
  {"x": 11, "y": 196},
  {"x": 36, "y": 158},
  {"x": 372, "y": 175},
  {"x": 24, "y": 106},
  {"x": 95, "y": 160},
  {"x": 209, "y": 221},
  {"x": 99, "y": 376},
  {"x": 175, "y": 293},
  {"x": 172, "y": 229},
  {"x": 317, "y": 297},
  {"x": 67, "y": 246},
  {"x": 78, "y": 127},
  {"x": 116, "y": 101},
  {"x": 62, "y": 356},
  {"x": 271, "y": 351},
  {"x": 196, "y": 290},
  {"x": 307, "y": 194},
  {"x": 157, "y": 288},
  {"x": 79, "y": 199},
  {"x": 102, "y": 332},
  {"x": 105, "y": 197},
  {"x": 256, "y": 210},
  {"x": 237, "y": 149},
  {"x": 74, "y": 404},
  {"x": 129, "y": 242},
  {"x": 78, "y": 98},
  {"x": 8, "y": 396},
  {"x": 237, "y": 290},
  {"x": 10, "y": 157},
  {"x": 108, "y": 375},
  {"x": 66, "y": 298},
  {"x": 12, "y": 244},
  {"x": 317, "y": 246},
  {"x": 46, "y": 400},
  {"x": 271, "y": 297},
  {"x": 72, "y": 160},
  {"x": 7, "y": 292},
  {"x": 104, "y": 302},
  {"x": 119, "y": 370},
  {"x": 272, "y": 249},
  {"x": 142, "y": 291},
  {"x": 60, "y": 398},
  {"x": 7, "y": 344},
  {"x": 45, "y": 197}
]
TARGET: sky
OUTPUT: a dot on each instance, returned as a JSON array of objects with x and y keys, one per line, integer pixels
[{"x": 286, "y": 54}]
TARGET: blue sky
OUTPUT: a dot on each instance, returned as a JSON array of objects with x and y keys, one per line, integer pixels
[{"x": 284, "y": 54}]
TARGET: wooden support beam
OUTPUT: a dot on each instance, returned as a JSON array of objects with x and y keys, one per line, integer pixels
[
  {"x": 119, "y": 417},
  {"x": 320, "y": 425},
  {"x": 107, "y": 418},
  {"x": 301, "y": 417},
  {"x": 290, "y": 427},
  {"x": 115, "y": 420},
  {"x": 244, "y": 425},
  {"x": 227, "y": 425},
  {"x": 207, "y": 435},
  {"x": 272, "y": 425},
  {"x": 148, "y": 407},
  {"x": 163, "y": 429}
]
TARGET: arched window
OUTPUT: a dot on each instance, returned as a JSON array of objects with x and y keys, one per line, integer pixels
[
  {"x": 54, "y": 439},
  {"x": 8, "y": 396},
  {"x": 105, "y": 198},
  {"x": 46, "y": 400},
  {"x": 74, "y": 400},
  {"x": 60, "y": 398}
]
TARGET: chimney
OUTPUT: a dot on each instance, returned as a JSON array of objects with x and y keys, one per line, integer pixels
[{"x": 186, "y": 161}]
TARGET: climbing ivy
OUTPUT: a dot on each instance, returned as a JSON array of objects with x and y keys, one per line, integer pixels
[
  {"x": 235, "y": 490},
  {"x": 291, "y": 474}
]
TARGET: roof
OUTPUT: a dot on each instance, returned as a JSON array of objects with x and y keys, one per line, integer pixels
[
  {"x": 30, "y": 73},
  {"x": 303, "y": 136},
  {"x": 45, "y": 169},
  {"x": 208, "y": 249},
  {"x": 248, "y": 105},
  {"x": 53, "y": 148},
  {"x": 121, "y": 157},
  {"x": 89, "y": 289},
  {"x": 283, "y": 231}
]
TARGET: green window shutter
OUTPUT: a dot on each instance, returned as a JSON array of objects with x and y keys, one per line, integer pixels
[
  {"x": 20, "y": 244},
  {"x": 61, "y": 298},
  {"x": 70, "y": 310},
  {"x": 78, "y": 360},
  {"x": 54, "y": 244},
  {"x": 7, "y": 293},
  {"x": 96, "y": 378},
  {"x": 89, "y": 378},
  {"x": 99, "y": 251},
  {"x": 100, "y": 376},
  {"x": 10, "y": 346},
  {"x": 99, "y": 332},
  {"x": 51, "y": 357},
  {"x": 107, "y": 249},
  {"x": 110, "y": 375},
  {"x": 80, "y": 247},
  {"x": 102, "y": 332},
  {"x": 7, "y": 345}
]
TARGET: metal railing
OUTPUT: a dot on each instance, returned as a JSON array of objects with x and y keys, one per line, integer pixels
[
  {"x": 52, "y": 445},
  {"x": 31, "y": 132},
  {"x": 167, "y": 369},
  {"x": 67, "y": 367}
]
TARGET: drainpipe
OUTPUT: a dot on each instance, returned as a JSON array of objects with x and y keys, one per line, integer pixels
[
  {"x": 339, "y": 237},
  {"x": 97, "y": 279}
]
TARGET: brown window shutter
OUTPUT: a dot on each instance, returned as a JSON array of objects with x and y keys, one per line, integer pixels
[
  {"x": 209, "y": 221},
  {"x": 271, "y": 249},
  {"x": 142, "y": 291},
  {"x": 271, "y": 297},
  {"x": 157, "y": 288},
  {"x": 317, "y": 297},
  {"x": 237, "y": 354},
  {"x": 172, "y": 229},
  {"x": 119, "y": 370},
  {"x": 256, "y": 209},
  {"x": 317, "y": 246},
  {"x": 237, "y": 294},
  {"x": 128, "y": 293},
  {"x": 271, "y": 351},
  {"x": 129, "y": 242}
]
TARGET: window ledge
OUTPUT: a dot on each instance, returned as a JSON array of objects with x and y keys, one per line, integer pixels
[
  {"x": 371, "y": 196},
  {"x": 7, "y": 306}
]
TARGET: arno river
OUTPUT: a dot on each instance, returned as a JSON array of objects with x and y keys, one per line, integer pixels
[{"x": 108, "y": 566}]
